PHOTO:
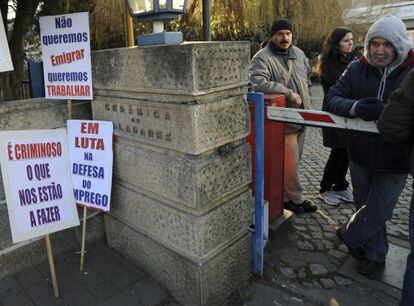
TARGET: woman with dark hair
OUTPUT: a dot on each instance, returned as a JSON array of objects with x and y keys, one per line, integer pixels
[{"x": 336, "y": 55}]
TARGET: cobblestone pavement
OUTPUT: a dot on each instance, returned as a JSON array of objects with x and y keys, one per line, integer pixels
[
  {"x": 304, "y": 257},
  {"x": 311, "y": 170}
]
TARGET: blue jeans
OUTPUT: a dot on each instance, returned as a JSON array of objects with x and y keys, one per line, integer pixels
[
  {"x": 375, "y": 196},
  {"x": 407, "y": 297}
]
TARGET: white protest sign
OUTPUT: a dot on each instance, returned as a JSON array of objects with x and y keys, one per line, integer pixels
[
  {"x": 5, "y": 59},
  {"x": 66, "y": 56},
  {"x": 37, "y": 182},
  {"x": 91, "y": 159}
]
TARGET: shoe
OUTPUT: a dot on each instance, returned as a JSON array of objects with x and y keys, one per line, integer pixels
[
  {"x": 358, "y": 253},
  {"x": 296, "y": 208},
  {"x": 330, "y": 198},
  {"x": 369, "y": 268},
  {"x": 345, "y": 195},
  {"x": 309, "y": 206}
]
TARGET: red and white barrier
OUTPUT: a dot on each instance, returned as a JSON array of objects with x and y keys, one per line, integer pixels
[{"x": 319, "y": 118}]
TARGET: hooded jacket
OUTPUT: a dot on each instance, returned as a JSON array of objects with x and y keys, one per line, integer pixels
[
  {"x": 362, "y": 80},
  {"x": 269, "y": 70}
]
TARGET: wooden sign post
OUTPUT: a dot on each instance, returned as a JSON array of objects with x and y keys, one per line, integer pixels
[
  {"x": 85, "y": 218},
  {"x": 52, "y": 266}
]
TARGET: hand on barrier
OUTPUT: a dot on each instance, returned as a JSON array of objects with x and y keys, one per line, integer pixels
[
  {"x": 369, "y": 109},
  {"x": 296, "y": 99}
]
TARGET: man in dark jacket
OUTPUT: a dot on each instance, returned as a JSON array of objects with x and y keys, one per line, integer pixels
[
  {"x": 396, "y": 124},
  {"x": 378, "y": 168},
  {"x": 283, "y": 68}
]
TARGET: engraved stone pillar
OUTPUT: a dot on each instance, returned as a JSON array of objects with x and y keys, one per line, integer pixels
[{"x": 180, "y": 197}]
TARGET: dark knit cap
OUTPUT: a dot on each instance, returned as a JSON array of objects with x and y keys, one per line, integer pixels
[
  {"x": 281, "y": 24},
  {"x": 358, "y": 47}
]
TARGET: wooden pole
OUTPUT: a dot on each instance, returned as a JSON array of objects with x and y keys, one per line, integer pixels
[
  {"x": 69, "y": 109},
  {"x": 52, "y": 266},
  {"x": 85, "y": 210},
  {"x": 129, "y": 28},
  {"x": 206, "y": 20}
]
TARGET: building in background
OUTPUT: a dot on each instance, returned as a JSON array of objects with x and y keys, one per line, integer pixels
[{"x": 365, "y": 12}]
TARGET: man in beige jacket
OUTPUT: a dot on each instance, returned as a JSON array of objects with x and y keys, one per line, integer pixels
[{"x": 283, "y": 68}]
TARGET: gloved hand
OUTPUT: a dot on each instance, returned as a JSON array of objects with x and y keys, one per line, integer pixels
[{"x": 369, "y": 109}]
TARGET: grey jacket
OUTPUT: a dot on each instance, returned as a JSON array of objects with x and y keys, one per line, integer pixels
[{"x": 269, "y": 70}]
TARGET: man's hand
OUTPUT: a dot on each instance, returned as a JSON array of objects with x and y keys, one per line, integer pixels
[
  {"x": 369, "y": 109},
  {"x": 296, "y": 99}
]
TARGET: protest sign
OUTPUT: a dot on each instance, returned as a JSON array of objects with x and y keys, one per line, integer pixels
[
  {"x": 66, "y": 56},
  {"x": 37, "y": 182},
  {"x": 91, "y": 158},
  {"x": 5, "y": 59}
]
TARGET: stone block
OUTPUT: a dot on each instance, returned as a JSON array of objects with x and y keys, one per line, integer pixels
[
  {"x": 194, "y": 68},
  {"x": 2, "y": 193},
  {"x": 5, "y": 237},
  {"x": 188, "y": 234},
  {"x": 190, "y": 129},
  {"x": 40, "y": 113},
  {"x": 206, "y": 282},
  {"x": 183, "y": 179}
]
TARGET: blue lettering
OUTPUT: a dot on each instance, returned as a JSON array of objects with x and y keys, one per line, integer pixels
[
  {"x": 91, "y": 197},
  {"x": 62, "y": 22},
  {"x": 88, "y": 170}
]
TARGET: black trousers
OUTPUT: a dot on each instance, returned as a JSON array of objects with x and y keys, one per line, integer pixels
[{"x": 335, "y": 171}]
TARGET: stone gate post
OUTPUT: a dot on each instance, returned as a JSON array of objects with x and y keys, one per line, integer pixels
[{"x": 180, "y": 198}]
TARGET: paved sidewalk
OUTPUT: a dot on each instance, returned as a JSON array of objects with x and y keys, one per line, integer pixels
[{"x": 108, "y": 279}]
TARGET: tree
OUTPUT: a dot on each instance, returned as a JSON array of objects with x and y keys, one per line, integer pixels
[
  {"x": 25, "y": 12},
  {"x": 311, "y": 27},
  {"x": 252, "y": 19}
]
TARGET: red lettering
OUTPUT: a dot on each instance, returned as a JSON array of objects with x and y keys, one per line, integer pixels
[
  {"x": 16, "y": 151},
  {"x": 83, "y": 127},
  {"x": 9, "y": 151},
  {"x": 92, "y": 143},
  {"x": 93, "y": 128},
  {"x": 100, "y": 144}
]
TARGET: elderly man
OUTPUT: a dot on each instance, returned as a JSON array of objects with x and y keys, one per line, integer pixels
[
  {"x": 283, "y": 68},
  {"x": 378, "y": 168}
]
